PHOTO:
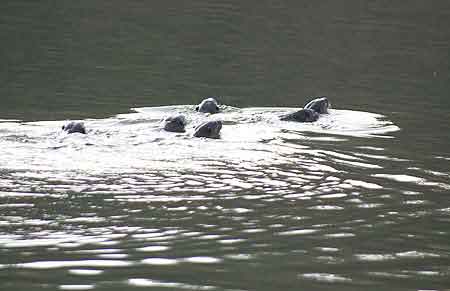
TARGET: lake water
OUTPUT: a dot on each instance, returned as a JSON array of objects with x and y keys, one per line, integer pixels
[{"x": 358, "y": 200}]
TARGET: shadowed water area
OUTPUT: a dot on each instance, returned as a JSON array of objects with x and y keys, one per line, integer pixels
[{"x": 357, "y": 200}]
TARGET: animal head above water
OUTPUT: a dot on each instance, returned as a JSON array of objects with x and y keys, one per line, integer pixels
[
  {"x": 303, "y": 115},
  {"x": 210, "y": 129},
  {"x": 74, "y": 127},
  {"x": 175, "y": 123},
  {"x": 319, "y": 105},
  {"x": 208, "y": 105}
]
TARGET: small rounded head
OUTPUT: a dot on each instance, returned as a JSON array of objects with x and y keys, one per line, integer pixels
[
  {"x": 319, "y": 105},
  {"x": 303, "y": 115},
  {"x": 74, "y": 127},
  {"x": 175, "y": 123},
  {"x": 210, "y": 129},
  {"x": 208, "y": 105}
]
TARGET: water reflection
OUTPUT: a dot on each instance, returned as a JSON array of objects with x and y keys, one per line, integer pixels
[
  {"x": 134, "y": 146},
  {"x": 129, "y": 196},
  {"x": 156, "y": 283},
  {"x": 64, "y": 264}
]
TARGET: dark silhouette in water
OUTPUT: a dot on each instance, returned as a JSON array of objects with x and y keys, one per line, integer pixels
[
  {"x": 208, "y": 105},
  {"x": 303, "y": 115},
  {"x": 74, "y": 127},
  {"x": 210, "y": 129},
  {"x": 175, "y": 123},
  {"x": 319, "y": 105},
  {"x": 310, "y": 112}
]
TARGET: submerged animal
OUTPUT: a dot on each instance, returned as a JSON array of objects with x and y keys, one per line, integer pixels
[
  {"x": 310, "y": 112},
  {"x": 208, "y": 105},
  {"x": 175, "y": 123},
  {"x": 210, "y": 129},
  {"x": 74, "y": 127},
  {"x": 319, "y": 105}
]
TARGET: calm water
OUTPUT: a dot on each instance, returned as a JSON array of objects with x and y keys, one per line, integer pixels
[{"x": 356, "y": 201}]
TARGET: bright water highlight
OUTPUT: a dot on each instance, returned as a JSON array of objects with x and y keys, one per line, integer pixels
[{"x": 142, "y": 205}]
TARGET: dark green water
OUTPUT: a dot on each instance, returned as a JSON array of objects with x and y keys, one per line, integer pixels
[{"x": 268, "y": 224}]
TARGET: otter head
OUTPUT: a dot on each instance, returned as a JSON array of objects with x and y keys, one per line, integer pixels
[
  {"x": 73, "y": 127},
  {"x": 319, "y": 105},
  {"x": 175, "y": 123},
  {"x": 303, "y": 115},
  {"x": 210, "y": 129},
  {"x": 208, "y": 105}
]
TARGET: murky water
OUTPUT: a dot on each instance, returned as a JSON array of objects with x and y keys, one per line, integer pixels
[{"x": 355, "y": 201}]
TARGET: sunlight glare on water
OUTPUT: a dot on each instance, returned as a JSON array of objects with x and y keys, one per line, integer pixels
[
  {"x": 134, "y": 194},
  {"x": 135, "y": 141}
]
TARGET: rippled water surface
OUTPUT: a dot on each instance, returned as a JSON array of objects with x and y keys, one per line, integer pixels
[
  {"x": 130, "y": 205},
  {"x": 358, "y": 200}
]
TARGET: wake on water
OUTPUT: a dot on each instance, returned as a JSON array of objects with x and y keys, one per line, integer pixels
[{"x": 135, "y": 143}]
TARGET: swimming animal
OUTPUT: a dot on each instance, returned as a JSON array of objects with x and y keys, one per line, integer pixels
[
  {"x": 175, "y": 123},
  {"x": 210, "y": 129},
  {"x": 74, "y": 126},
  {"x": 310, "y": 112},
  {"x": 303, "y": 115},
  {"x": 319, "y": 105},
  {"x": 208, "y": 105}
]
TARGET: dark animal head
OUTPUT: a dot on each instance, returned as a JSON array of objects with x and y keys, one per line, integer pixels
[
  {"x": 319, "y": 105},
  {"x": 175, "y": 123},
  {"x": 74, "y": 127},
  {"x": 208, "y": 105},
  {"x": 303, "y": 115},
  {"x": 210, "y": 129}
]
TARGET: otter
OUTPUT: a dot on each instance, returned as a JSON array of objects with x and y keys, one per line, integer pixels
[
  {"x": 208, "y": 105},
  {"x": 310, "y": 112},
  {"x": 319, "y": 105},
  {"x": 303, "y": 115},
  {"x": 74, "y": 127},
  {"x": 210, "y": 129},
  {"x": 175, "y": 123}
]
